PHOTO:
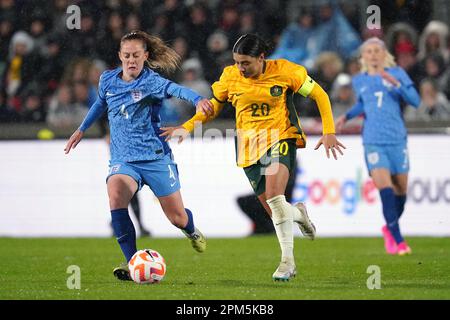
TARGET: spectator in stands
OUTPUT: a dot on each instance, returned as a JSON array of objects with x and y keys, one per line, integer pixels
[
  {"x": 32, "y": 109},
  {"x": 434, "y": 67},
  {"x": 17, "y": 70},
  {"x": 20, "y": 70},
  {"x": 6, "y": 32},
  {"x": 58, "y": 15},
  {"x": 293, "y": 42},
  {"x": 132, "y": 6},
  {"x": 77, "y": 70},
  {"x": 177, "y": 110},
  {"x": 193, "y": 77},
  {"x": 217, "y": 59},
  {"x": 191, "y": 31},
  {"x": 217, "y": 48},
  {"x": 107, "y": 47},
  {"x": 84, "y": 41},
  {"x": 9, "y": 10},
  {"x": 247, "y": 22},
  {"x": 199, "y": 28},
  {"x": 342, "y": 97},
  {"x": 434, "y": 104},
  {"x": 53, "y": 64},
  {"x": 327, "y": 67},
  {"x": 415, "y": 12},
  {"x": 96, "y": 69},
  {"x": 229, "y": 23},
  {"x": 400, "y": 33},
  {"x": 180, "y": 46},
  {"x": 162, "y": 27},
  {"x": 434, "y": 40},
  {"x": 7, "y": 114},
  {"x": 132, "y": 22},
  {"x": 81, "y": 94},
  {"x": 302, "y": 43},
  {"x": 176, "y": 13},
  {"x": 38, "y": 28},
  {"x": 352, "y": 66},
  {"x": 406, "y": 57},
  {"x": 62, "y": 113}
]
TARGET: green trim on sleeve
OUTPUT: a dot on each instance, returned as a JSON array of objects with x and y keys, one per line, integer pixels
[{"x": 215, "y": 98}]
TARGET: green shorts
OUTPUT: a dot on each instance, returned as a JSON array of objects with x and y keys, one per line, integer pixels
[{"x": 284, "y": 151}]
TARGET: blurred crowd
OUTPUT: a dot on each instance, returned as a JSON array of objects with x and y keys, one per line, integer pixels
[{"x": 49, "y": 73}]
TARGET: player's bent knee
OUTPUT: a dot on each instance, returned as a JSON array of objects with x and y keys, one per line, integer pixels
[
  {"x": 281, "y": 210},
  {"x": 116, "y": 201},
  {"x": 178, "y": 219}
]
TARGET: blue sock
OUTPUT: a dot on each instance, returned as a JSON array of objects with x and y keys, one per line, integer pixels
[
  {"x": 390, "y": 213},
  {"x": 400, "y": 203},
  {"x": 124, "y": 232},
  {"x": 189, "y": 228}
]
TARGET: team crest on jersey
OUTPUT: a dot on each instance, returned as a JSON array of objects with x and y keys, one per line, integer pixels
[
  {"x": 276, "y": 91},
  {"x": 373, "y": 157},
  {"x": 136, "y": 95},
  {"x": 387, "y": 84},
  {"x": 114, "y": 169}
]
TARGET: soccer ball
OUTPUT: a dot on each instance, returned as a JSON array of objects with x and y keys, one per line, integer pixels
[{"x": 147, "y": 266}]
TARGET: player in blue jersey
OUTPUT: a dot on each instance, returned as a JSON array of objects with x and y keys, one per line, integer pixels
[
  {"x": 379, "y": 90},
  {"x": 131, "y": 95}
]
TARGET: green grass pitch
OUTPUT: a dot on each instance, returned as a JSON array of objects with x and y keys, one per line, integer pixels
[{"x": 328, "y": 268}]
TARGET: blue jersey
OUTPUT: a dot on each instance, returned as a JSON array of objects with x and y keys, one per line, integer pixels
[
  {"x": 379, "y": 101},
  {"x": 133, "y": 113}
]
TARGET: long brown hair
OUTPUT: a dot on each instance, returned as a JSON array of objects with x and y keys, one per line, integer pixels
[{"x": 161, "y": 58}]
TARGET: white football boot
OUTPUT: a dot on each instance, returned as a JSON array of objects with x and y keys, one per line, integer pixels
[
  {"x": 305, "y": 225},
  {"x": 285, "y": 271}
]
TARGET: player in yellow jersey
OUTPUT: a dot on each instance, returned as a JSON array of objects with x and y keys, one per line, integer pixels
[{"x": 268, "y": 132}]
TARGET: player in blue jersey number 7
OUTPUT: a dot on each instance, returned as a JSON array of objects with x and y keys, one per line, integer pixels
[
  {"x": 132, "y": 95},
  {"x": 379, "y": 89}
]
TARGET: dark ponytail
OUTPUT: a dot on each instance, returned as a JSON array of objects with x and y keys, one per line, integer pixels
[
  {"x": 251, "y": 45},
  {"x": 161, "y": 58}
]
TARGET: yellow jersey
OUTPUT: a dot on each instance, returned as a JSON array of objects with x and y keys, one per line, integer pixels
[{"x": 265, "y": 112}]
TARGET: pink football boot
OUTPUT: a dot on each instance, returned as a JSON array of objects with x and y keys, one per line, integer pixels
[
  {"x": 403, "y": 249},
  {"x": 389, "y": 242}
]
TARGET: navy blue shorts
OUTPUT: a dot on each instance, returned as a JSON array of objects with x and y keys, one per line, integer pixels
[{"x": 160, "y": 175}]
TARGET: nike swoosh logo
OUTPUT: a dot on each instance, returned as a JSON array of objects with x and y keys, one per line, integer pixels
[
  {"x": 121, "y": 236},
  {"x": 172, "y": 184},
  {"x": 109, "y": 94}
]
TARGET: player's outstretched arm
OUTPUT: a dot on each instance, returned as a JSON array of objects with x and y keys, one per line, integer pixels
[
  {"x": 201, "y": 116},
  {"x": 173, "y": 132},
  {"x": 328, "y": 140},
  {"x": 330, "y": 143},
  {"x": 74, "y": 139},
  {"x": 340, "y": 122},
  {"x": 407, "y": 91},
  {"x": 94, "y": 113},
  {"x": 202, "y": 104}
]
